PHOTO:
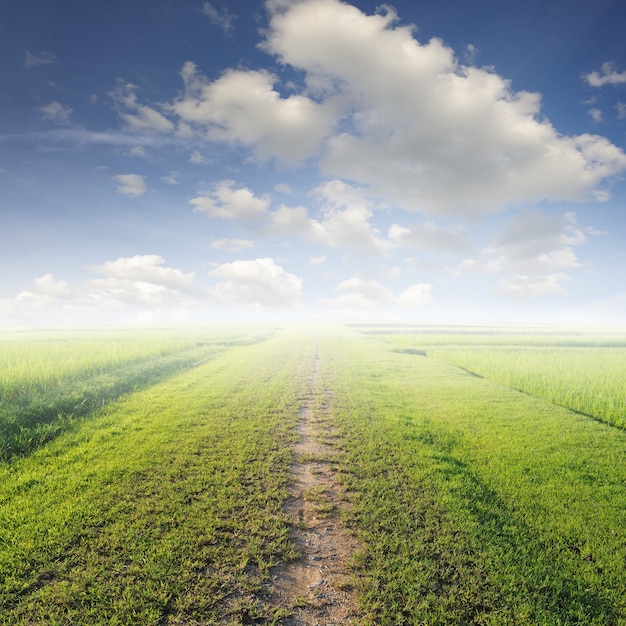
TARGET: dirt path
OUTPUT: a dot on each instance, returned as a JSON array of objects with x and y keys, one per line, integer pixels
[{"x": 316, "y": 588}]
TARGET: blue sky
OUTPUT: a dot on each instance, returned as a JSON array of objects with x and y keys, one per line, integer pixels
[{"x": 194, "y": 161}]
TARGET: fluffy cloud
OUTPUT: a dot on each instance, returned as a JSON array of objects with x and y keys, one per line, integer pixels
[
  {"x": 426, "y": 132},
  {"x": 257, "y": 284},
  {"x": 608, "y": 76},
  {"x": 131, "y": 184},
  {"x": 367, "y": 294},
  {"x": 145, "y": 268},
  {"x": 136, "y": 288},
  {"x": 407, "y": 119},
  {"x": 533, "y": 252},
  {"x": 227, "y": 202},
  {"x": 56, "y": 112},
  {"x": 242, "y": 107},
  {"x": 344, "y": 220}
]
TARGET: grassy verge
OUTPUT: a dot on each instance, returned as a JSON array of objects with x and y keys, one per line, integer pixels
[
  {"x": 167, "y": 509},
  {"x": 475, "y": 504}
]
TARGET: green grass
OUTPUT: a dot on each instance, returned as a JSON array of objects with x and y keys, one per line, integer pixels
[
  {"x": 475, "y": 504},
  {"x": 165, "y": 507},
  {"x": 48, "y": 380},
  {"x": 582, "y": 371}
]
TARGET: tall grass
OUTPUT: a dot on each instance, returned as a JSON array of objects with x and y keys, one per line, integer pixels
[
  {"x": 583, "y": 370},
  {"x": 49, "y": 379},
  {"x": 590, "y": 381}
]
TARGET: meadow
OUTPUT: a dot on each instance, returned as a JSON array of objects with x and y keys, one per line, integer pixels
[{"x": 475, "y": 498}]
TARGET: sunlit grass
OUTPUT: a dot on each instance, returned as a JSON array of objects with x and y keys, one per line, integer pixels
[
  {"x": 475, "y": 504},
  {"x": 582, "y": 371},
  {"x": 167, "y": 507}
]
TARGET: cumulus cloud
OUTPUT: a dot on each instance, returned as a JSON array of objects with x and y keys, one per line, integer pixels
[
  {"x": 131, "y": 184},
  {"x": 257, "y": 284},
  {"x": 56, "y": 112},
  {"x": 377, "y": 107},
  {"x": 242, "y": 107},
  {"x": 426, "y": 132},
  {"x": 361, "y": 293},
  {"x": 226, "y": 201},
  {"x": 345, "y": 220},
  {"x": 138, "y": 288},
  {"x": 534, "y": 252},
  {"x": 145, "y": 268},
  {"x": 608, "y": 75}
]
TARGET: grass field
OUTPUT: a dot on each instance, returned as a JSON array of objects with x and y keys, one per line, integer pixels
[{"x": 474, "y": 503}]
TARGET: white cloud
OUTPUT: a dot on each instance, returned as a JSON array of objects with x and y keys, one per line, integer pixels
[
  {"x": 38, "y": 59},
  {"x": 533, "y": 252},
  {"x": 136, "y": 289},
  {"x": 171, "y": 178},
  {"x": 318, "y": 260},
  {"x": 222, "y": 18},
  {"x": 595, "y": 114},
  {"x": 137, "y": 151},
  {"x": 344, "y": 221},
  {"x": 283, "y": 188},
  {"x": 131, "y": 184},
  {"x": 227, "y": 202},
  {"x": 242, "y": 107},
  {"x": 56, "y": 112},
  {"x": 620, "y": 107},
  {"x": 145, "y": 268},
  {"x": 523, "y": 287},
  {"x": 429, "y": 236},
  {"x": 609, "y": 75},
  {"x": 232, "y": 245},
  {"x": 138, "y": 117},
  {"x": 258, "y": 284},
  {"x": 196, "y": 158},
  {"x": 426, "y": 132},
  {"x": 379, "y": 108},
  {"x": 361, "y": 293}
]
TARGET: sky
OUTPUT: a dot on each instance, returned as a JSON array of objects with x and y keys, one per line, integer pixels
[{"x": 196, "y": 161}]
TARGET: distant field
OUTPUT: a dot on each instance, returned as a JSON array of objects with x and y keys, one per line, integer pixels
[{"x": 156, "y": 494}]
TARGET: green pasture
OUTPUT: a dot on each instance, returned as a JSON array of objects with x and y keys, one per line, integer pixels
[
  {"x": 161, "y": 503},
  {"x": 165, "y": 505}
]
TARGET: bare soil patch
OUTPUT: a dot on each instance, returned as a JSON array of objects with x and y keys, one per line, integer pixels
[{"x": 317, "y": 588}]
